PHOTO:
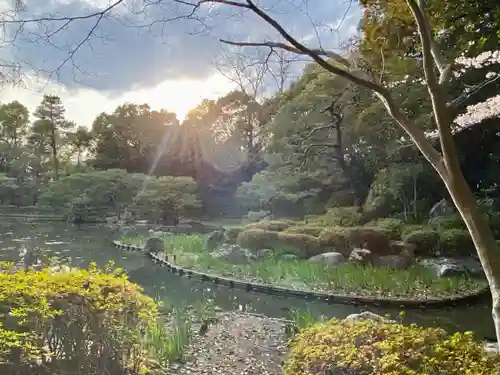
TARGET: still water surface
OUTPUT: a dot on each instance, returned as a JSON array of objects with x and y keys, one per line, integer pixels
[{"x": 80, "y": 246}]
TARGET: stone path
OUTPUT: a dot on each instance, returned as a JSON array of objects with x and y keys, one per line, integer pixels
[{"x": 237, "y": 344}]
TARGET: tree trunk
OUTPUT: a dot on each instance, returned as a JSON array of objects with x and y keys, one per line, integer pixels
[{"x": 482, "y": 236}]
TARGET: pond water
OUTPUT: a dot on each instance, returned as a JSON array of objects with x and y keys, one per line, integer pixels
[{"x": 80, "y": 245}]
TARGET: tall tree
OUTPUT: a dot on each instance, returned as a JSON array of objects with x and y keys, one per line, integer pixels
[
  {"x": 79, "y": 140},
  {"x": 50, "y": 124}
]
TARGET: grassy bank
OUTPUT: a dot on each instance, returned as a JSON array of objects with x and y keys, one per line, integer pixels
[{"x": 349, "y": 279}]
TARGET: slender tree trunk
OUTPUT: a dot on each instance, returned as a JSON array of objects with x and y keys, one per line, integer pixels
[{"x": 482, "y": 236}]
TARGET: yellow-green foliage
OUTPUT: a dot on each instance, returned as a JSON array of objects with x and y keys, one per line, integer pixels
[
  {"x": 393, "y": 226},
  {"x": 367, "y": 347},
  {"x": 232, "y": 234},
  {"x": 81, "y": 319},
  {"x": 425, "y": 240},
  {"x": 413, "y": 228},
  {"x": 274, "y": 225},
  {"x": 301, "y": 244},
  {"x": 305, "y": 229},
  {"x": 256, "y": 239},
  {"x": 456, "y": 242}
]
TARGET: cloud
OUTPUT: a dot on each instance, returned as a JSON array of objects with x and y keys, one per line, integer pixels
[{"x": 134, "y": 56}]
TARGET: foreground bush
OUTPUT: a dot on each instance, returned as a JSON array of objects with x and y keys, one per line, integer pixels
[
  {"x": 256, "y": 239},
  {"x": 367, "y": 347},
  {"x": 90, "y": 321},
  {"x": 272, "y": 225}
]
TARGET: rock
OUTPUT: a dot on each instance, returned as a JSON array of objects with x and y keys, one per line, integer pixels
[
  {"x": 289, "y": 257},
  {"x": 331, "y": 258},
  {"x": 401, "y": 262},
  {"x": 361, "y": 256},
  {"x": 442, "y": 208},
  {"x": 491, "y": 349},
  {"x": 367, "y": 315},
  {"x": 233, "y": 254},
  {"x": 214, "y": 239},
  {"x": 154, "y": 245},
  {"x": 447, "y": 267}
]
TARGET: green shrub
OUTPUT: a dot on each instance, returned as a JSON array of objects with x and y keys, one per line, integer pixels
[
  {"x": 274, "y": 225},
  {"x": 338, "y": 216},
  {"x": 336, "y": 239},
  {"x": 393, "y": 226},
  {"x": 456, "y": 242},
  {"x": 309, "y": 230},
  {"x": 88, "y": 320},
  {"x": 256, "y": 239},
  {"x": 232, "y": 234},
  {"x": 425, "y": 240},
  {"x": 447, "y": 222},
  {"x": 304, "y": 245},
  {"x": 367, "y": 347}
]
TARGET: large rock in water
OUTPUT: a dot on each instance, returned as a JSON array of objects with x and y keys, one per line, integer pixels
[
  {"x": 154, "y": 245},
  {"x": 331, "y": 258}
]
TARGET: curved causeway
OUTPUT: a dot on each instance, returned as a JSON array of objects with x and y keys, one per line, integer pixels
[{"x": 310, "y": 295}]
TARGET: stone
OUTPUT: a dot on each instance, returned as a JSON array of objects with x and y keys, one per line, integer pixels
[
  {"x": 233, "y": 254},
  {"x": 214, "y": 239},
  {"x": 257, "y": 215},
  {"x": 368, "y": 315},
  {"x": 401, "y": 262},
  {"x": 154, "y": 245},
  {"x": 448, "y": 267},
  {"x": 330, "y": 258},
  {"x": 361, "y": 256},
  {"x": 289, "y": 257}
]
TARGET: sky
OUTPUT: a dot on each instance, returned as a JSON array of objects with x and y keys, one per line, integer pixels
[{"x": 137, "y": 53}]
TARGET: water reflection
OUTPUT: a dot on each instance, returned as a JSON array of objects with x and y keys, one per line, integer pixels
[{"x": 79, "y": 246}]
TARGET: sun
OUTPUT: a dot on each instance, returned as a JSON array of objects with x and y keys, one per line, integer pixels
[{"x": 182, "y": 95}]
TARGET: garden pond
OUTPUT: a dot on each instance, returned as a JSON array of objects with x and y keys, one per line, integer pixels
[{"x": 78, "y": 246}]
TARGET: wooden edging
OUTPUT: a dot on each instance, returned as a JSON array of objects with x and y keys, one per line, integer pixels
[{"x": 309, "y": 295}]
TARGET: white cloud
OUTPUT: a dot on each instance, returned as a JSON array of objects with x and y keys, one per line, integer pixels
[{"x": 83, "y": 104}]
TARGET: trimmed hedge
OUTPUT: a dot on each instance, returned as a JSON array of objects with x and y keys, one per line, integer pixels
[
  {"x": 275, "y": 225},
  {"x": 447, "y": 222},
  {"x": 232, "y": 234},
  {"x": 456, "y": 242},
  {"x": 393, "y": 227},
  {"x": 425, "y": 240},
  {"x": 309, "y": 230},
  {"x": 256, "y": 239},
  {"x": 368, "y": 347}
]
